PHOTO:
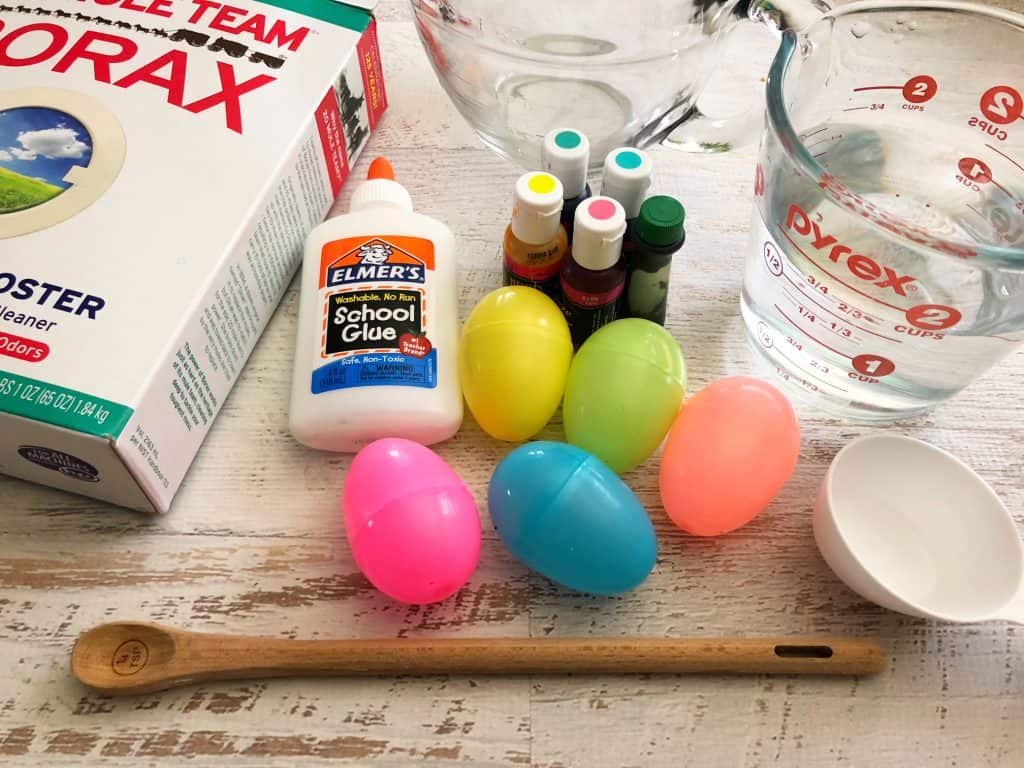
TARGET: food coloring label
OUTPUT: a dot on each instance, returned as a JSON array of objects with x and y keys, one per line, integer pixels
[
  {"x": 535, "y": 269},
  {"x": 647, "y": 293},
  {"x": 586, "y": 312},
  {"x": 375, "y": 316}
]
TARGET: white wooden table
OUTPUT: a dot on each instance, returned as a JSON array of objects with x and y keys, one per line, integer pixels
[{"x": 255, "y": 544}]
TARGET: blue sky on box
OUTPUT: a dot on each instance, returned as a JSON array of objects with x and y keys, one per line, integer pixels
[{"x": 43, "y": 143}]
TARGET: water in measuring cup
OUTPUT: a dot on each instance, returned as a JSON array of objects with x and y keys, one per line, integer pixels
[{"x": 876, "y": 328}]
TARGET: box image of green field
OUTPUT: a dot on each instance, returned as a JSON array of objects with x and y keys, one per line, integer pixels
[{"x": 38, "y": 147}]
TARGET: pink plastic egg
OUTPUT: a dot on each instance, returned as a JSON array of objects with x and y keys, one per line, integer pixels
[
  {"x": 412, "y": 524},
  {"x": 729, "y": 452}
]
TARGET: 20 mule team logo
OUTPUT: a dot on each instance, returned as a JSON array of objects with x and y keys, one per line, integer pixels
[{"x": 375, "y": 260}]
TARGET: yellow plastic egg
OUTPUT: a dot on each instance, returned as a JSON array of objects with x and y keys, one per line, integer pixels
[{"x": 514, "y": 357}]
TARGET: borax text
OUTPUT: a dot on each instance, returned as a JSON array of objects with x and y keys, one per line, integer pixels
[{"x": 112, "y": 58}]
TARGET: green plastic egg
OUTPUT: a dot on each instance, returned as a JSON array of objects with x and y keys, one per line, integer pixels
[{"x": 625, "y": 387}]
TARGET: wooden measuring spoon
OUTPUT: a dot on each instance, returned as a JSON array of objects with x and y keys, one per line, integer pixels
[{"x": 135, "y": 657}]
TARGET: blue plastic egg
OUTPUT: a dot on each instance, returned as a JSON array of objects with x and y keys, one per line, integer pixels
[{"x": 566, "y": 515}]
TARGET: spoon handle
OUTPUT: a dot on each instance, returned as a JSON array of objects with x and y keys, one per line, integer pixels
[
  {"x": 187, "y": 657},
  {"x": 540, "y": 656}
]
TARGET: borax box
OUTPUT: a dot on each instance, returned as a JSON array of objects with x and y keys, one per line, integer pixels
[{"x": 161, "y": 162}]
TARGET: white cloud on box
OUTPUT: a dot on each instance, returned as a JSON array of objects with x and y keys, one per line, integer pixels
[
  {"x": 5, "y": 155},
  {"x": 51, "y": 143}
]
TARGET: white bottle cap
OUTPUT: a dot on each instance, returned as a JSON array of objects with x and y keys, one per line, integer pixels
[
  {"x": 378, "y": 191},
  {"x": 566, "y": 154},
  {"x": 627, "y": 177},
  {"x": 537, "y": 208},
  {"x": 380, "y": 187},
  {"x": 597, "y": 233}
]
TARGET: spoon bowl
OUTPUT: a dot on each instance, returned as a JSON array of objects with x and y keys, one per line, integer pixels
[
  {"x": 912, "y": 528},
  {"x": 133, "y": 656}
]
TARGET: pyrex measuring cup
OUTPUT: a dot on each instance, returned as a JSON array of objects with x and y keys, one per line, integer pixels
[
  {"x": 886, "y": 262},
  {"x": 912, "y": 528}
]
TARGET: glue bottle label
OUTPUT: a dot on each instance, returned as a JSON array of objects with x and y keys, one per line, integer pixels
[{"x": 375, "y": 316}]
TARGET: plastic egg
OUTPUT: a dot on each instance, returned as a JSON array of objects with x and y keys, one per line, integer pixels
[
  {"x": 412, "y": 524},
  {"x": 733, "y": 447},
  {"x": 624, "y": 391},
  {"x": 513, "y": 359},
  {"x": 567, "y": 516}
]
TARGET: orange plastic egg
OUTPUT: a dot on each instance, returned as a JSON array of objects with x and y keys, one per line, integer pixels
[{"x": 730, "y": 451}]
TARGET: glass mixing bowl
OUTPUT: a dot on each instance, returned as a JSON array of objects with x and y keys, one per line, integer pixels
[{"x": 623, "y": 73}]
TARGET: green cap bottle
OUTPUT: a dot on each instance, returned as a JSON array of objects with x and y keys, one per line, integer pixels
[
  {"x": 661, "y": 220},
  {"x": 656, "y": 237}
]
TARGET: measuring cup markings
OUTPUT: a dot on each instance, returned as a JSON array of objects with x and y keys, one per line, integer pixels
[
  {"x": 833, "y": 314},
  {"x": 809, "y": 335},
  {"x": 816, "y": 294},
  {"x": 870, "y": 365},
  {"x": 916, "y": 91},
  {"x": 841, "y": 329},
  {"x": 767, "y": 340},
  {"x": 1006, "y": 156},
  {"x": 1002, "y": 104},
  {"x": 858, "y": 264},
  {"x": 810, "y": 302},
  {"x": 926, "y": 319}
]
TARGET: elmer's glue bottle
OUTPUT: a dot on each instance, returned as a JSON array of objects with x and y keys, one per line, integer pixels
[{"x": 375, "y": 353}]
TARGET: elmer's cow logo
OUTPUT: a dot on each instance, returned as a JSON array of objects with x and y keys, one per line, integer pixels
[
  {"x": 373, "y": 261},
  {"x": 375, "y": 253}
]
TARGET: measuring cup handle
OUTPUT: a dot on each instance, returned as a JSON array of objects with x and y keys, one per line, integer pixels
[
  {"x": 780, "y": 15},
  {"x": 695, "y": 131}
]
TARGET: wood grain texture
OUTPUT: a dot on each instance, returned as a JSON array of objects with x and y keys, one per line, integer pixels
[{"x": 255, "y": 545}]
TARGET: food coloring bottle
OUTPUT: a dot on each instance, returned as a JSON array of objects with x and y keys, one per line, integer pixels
[
  {"x": 535, "y": 241},
  {"x": 657, "y": 235},
  {"x": 626, "y": 178},
  {"x": 375, "y": 353},
  {"x": 593, "y": 278},
  {"x": 565, "y": 154}
]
